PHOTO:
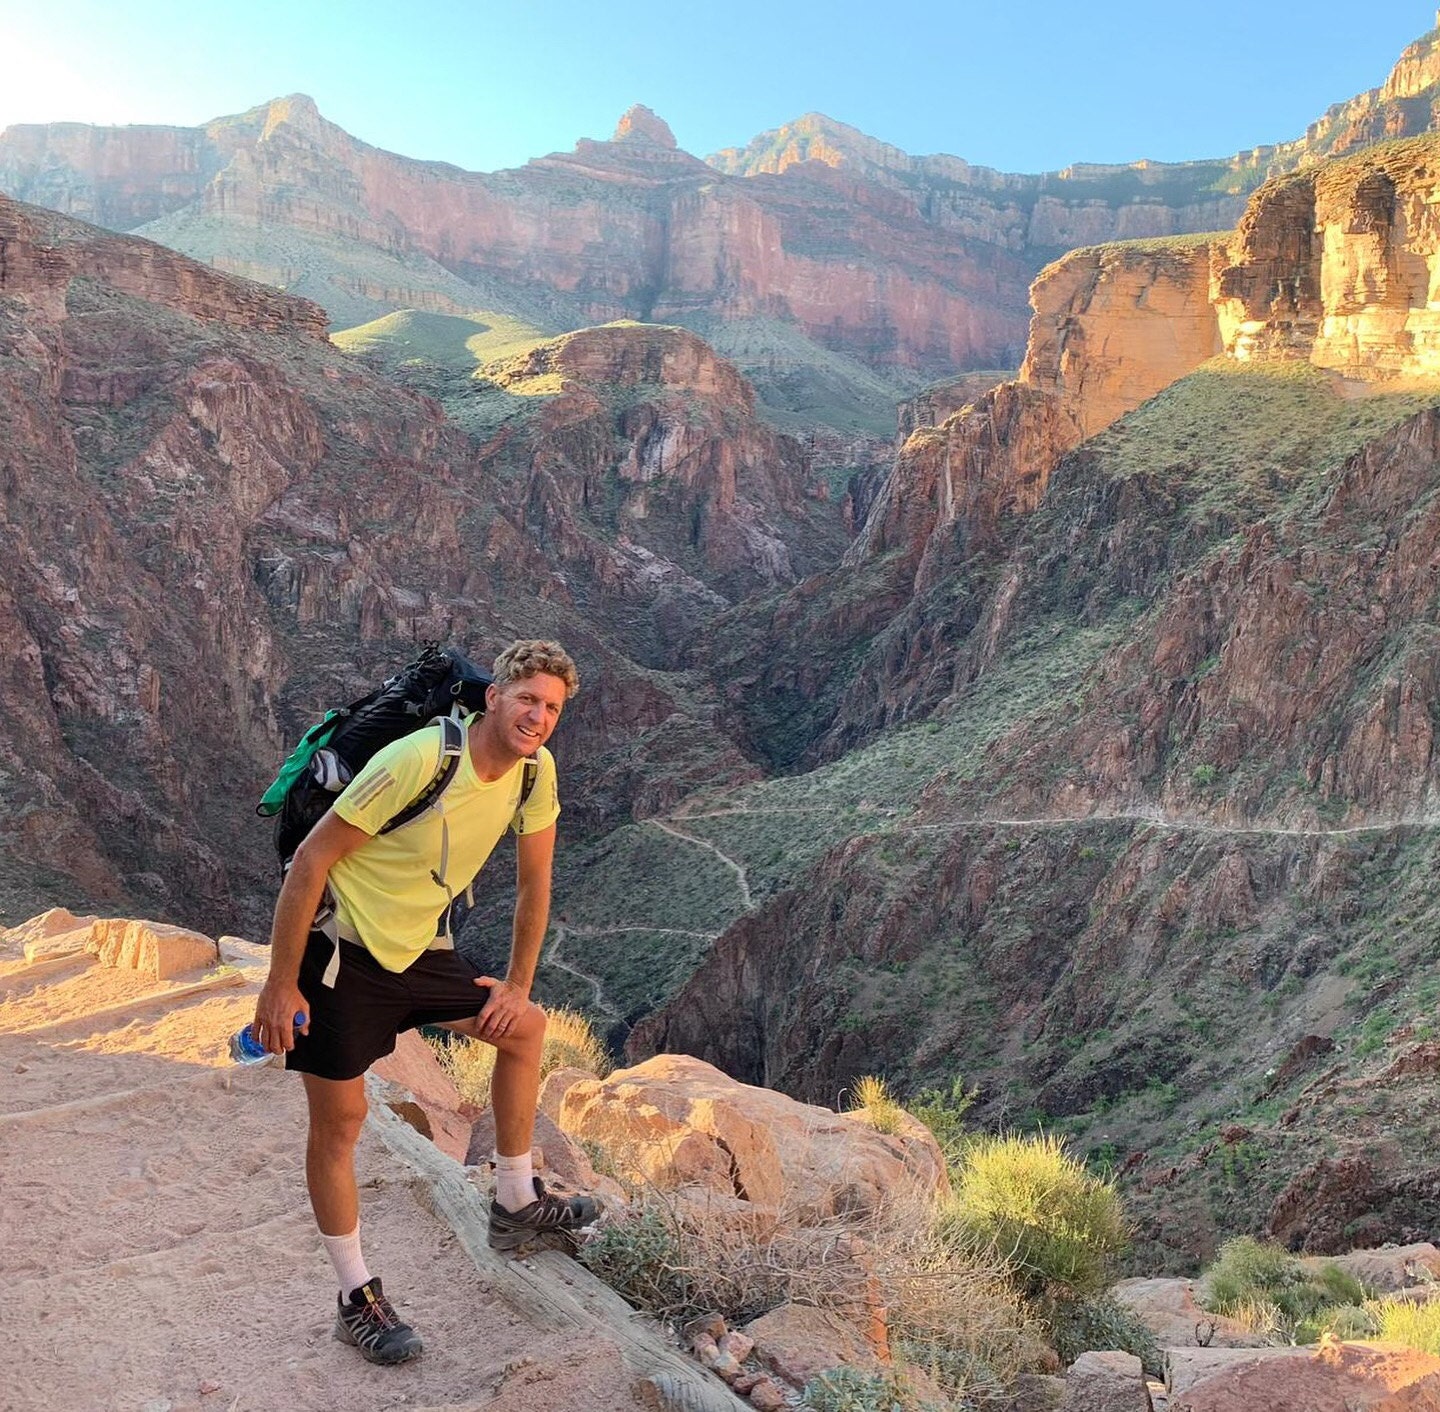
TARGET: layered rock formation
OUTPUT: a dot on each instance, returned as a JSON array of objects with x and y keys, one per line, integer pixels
[
  {"x": 1086, "y": 204},
  {"x": 914, "y": 266},
  {"x": 631, "y": 228},
  {"x": 1037, "y": 215}
]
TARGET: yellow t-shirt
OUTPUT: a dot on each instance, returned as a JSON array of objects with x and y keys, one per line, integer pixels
[{"x": 385, "y": 893}]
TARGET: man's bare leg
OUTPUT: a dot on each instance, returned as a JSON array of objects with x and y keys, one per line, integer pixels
[
  {"x": 515, "y": 1084},
  {"x": 337, "y": 1113},
  {"x": 369, "y": 1321}
]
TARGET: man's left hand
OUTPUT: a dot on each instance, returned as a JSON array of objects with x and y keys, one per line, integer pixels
[{"x": 502, "y": 1010}]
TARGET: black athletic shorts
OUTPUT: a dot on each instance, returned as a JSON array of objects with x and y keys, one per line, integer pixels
[{"x": 355, "y": 1023}]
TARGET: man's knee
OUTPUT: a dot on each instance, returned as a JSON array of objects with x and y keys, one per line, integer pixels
[
  {"x": 525, "y": 1036},
  {"x": 337, "y": 1112}
]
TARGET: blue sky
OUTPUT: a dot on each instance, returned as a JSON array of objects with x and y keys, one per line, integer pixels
[{"x": 1020, "y": 86}]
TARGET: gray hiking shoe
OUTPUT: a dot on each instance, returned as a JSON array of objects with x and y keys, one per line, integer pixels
[
  {"x": 369, "y": 1322},
  {"x": 550, "y": 1219}
]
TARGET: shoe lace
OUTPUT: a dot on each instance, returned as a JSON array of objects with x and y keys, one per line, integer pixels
[{"x": 380, "y": 1311}]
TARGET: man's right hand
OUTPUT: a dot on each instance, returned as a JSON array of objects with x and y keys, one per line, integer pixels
[{"x": 275, "y": 1011}]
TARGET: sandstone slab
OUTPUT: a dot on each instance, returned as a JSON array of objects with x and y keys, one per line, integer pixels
[
  {"x": 1332, "y": 1377},
  {"x": 52, "y": 933},
  {"x": 155, "y": 949}
]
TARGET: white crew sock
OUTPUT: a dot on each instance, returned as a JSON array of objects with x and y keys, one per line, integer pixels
[
  {"x": 514, "y": 1181},
  {"x": 350, "y": 1267}
]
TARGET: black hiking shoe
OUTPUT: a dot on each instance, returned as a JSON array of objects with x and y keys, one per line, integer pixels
[
  {"x": 549, "y": 1219},
  {"x": 369, "y": 1322}
]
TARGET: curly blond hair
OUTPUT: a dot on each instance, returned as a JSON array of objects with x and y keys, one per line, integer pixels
[{"x": 528, "y": 656}]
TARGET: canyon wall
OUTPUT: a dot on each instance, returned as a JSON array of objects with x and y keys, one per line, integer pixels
[{"x": 215, "y": 525}]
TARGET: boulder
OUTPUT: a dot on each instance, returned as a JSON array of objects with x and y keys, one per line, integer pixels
[
  {"x": 798, "y": 1342},
  {"x": 1391, "y": 1267},
  {"x": 556, "y": 1084},
  {"x": 413, "y": 1073},
  {"x": 155, "y": 949},
  {"x": 676, "y": 1122},
  {"x": 1330, "y": 1377},
  {"x": 558, "y": 1161},
  {"x": 1106, "y": 1382},
  {"x": 1167, "y": 1308}
]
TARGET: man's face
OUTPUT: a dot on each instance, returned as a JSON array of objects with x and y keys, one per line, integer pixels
[{"x": 526, "y": 711}]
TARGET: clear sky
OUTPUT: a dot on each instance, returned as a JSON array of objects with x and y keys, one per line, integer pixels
[{"x": 1021, "y": 86}]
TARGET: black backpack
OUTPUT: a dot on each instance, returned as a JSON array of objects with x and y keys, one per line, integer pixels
[{"x": 440, "y": 683}]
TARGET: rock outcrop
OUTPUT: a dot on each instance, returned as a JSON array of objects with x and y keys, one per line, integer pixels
[{"x": 680, "y": 1124}]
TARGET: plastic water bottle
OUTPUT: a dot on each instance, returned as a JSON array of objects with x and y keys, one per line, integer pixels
[{"x": 246, "y": 1049}]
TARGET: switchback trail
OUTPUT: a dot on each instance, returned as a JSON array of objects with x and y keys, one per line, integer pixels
[{"x": 564, "y": 930}]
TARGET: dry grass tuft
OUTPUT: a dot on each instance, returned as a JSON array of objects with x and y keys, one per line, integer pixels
[
  {"x": 873, "y": 1099},
  {"x": 570, "y": 1042},
  {"x": 888, "y": 1275}
]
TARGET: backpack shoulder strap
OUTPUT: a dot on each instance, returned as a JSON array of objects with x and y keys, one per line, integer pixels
[
  {"x": 452, "y": 747},
  {"x": 527, "y": 784}
]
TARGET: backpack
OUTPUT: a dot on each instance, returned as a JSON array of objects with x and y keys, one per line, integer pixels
[{"x": 439, "y": 684}]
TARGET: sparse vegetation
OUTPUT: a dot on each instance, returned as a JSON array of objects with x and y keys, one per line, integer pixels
[
  {"x": 873, "y": 1098},
  {"x": 1271, "y": 1293},
  {"x": 1403, "y": 1321},
  {"x": 851, "y": 1390}
]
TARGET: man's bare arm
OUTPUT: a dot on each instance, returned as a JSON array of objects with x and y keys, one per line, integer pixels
[
  {"x": 534, "y": 863},
  {"x": 280, "y": 999}
]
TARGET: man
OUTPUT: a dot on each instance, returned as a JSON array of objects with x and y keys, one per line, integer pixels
[{"x": 389, "y": 972}]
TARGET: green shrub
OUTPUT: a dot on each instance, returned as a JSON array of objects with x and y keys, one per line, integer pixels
[
  {"x": 1245, "y": 1269},
  {"x": 943, "y": 1112},
  {"x": 641, "y": 1257},
  {"x": 1057, "y": 1226},
  {"x": 1270, "y": 1291},
  {"x": 1350, "y": 1322},
  {"x": 1077, "y": 1325},
  {"x": 850, "y": 1390}
]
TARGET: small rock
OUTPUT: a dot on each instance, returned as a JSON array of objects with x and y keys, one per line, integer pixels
[
  {"x": 727, "y": 1365},
  {"x": 22, "y": 1068},
  {"x": 738, "y": 1344},
  {"x": 745, "y": 1381},
  {"x": 767, "y": 1395},
  {"x": 208, "y": 1386},
  {"x": 711, "y": 1324},
  {"x": 705, "y": 1349}
]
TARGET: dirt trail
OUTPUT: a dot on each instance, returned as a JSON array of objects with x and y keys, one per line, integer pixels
[
  {"x": 737, "y": 868},
  {"x": 159, "y": 1251}
]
